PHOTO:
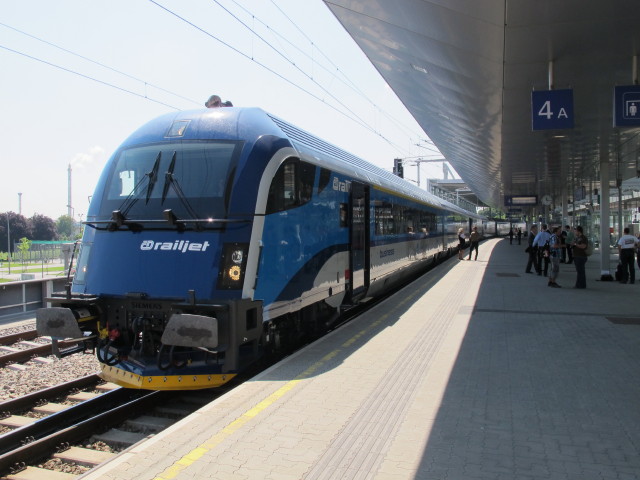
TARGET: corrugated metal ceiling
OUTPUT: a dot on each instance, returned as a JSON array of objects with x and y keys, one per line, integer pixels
[{"x": 465, "y": 69}]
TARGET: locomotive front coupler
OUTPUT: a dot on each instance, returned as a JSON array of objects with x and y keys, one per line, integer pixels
[{"x": 85, "y": 345}]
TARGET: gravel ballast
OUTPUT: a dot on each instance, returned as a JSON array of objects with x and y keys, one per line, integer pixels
[{"x": 37, "y": 376}]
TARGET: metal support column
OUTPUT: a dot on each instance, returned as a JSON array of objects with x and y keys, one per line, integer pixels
[
  {"x": 565, "y": 206},
  {"x": 605, "y": 249}
]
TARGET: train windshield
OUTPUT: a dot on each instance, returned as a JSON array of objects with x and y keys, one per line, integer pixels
[{"x": 191, "y": 179}]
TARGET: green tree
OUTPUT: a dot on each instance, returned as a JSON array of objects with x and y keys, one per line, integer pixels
[
  {"x": 23, "y": 247},
  {"x": 43, "y": 228},
  {"x": 65, "y": 227},
  {"x": 19, "y": 227}
]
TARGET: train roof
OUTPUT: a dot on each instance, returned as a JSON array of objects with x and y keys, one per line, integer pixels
[
  {"x": 251, "y": 123},
  {"x": 343, "y": 161}
]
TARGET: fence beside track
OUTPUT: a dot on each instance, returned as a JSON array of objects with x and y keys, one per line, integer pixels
[{"x": 26, "y": 296}]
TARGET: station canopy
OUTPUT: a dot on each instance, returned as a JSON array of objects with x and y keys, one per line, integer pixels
[{"x": 518, "y": 95}]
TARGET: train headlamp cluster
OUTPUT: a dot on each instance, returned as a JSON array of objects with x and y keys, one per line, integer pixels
[
  {"x": 234, "y": 273},
  {"x": 232, "y": 265}
]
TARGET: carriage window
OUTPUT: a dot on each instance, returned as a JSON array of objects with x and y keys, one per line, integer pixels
[
  {"x": 292, "y": 186},
  {"x": 307, "y": 174},
  {"x": 325, "y": 178},
  {"x": 399, "y": 217},
  {"x": 383, "y": 217},
  {"x": 289, "y": 182}
]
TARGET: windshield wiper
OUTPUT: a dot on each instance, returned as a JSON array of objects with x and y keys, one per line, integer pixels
[
  {"x": 168, "y": 177},
  {"x": 153, "y": 176},
  {"x": 119, "y": 216},
  {"x": 171, "y": 181}
]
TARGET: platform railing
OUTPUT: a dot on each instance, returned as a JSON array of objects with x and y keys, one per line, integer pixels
[{"x": 27, "y": 295}]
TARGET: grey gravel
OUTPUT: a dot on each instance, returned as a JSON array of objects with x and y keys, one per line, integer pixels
[{"x": 37, "y": 376}]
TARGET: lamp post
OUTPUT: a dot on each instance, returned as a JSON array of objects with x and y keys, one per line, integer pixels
[
  {"x": 418, "y": 160},
  {"x": 8, "y": 244}
]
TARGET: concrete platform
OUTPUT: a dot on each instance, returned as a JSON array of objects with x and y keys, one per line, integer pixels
[{"x": 475, "y": 371}]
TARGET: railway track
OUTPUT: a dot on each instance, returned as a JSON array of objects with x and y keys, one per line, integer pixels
[
  {"x": 21, "y": 347},
  {"x": 60, "y": 439},
  {"x": 55, "y": 447}
]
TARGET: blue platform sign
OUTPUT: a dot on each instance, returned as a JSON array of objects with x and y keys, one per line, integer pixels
[
  {"x": 552, "y": 109},
  {"x": 626, "y": 106}
]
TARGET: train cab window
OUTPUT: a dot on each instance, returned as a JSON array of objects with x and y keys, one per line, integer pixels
[
  {"x": 190, "y": 178},
  {"x": 292, "y": 186}
]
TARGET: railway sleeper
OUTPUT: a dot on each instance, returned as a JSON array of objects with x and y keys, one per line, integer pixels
[
  {"x": 149, "y": 424},
  {"x": 36, "y": 473},
  {"x": 84, "y": 456},
  {"x": 119, "y": 438}
]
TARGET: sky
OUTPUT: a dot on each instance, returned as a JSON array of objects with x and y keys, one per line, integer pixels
[{"x": 77, "y": 77}]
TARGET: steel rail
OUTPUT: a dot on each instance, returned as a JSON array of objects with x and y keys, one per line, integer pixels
[
  {"x": 26, "y": 401},
  {"x": 16, "y": 337},
  {"x": 41, "y": 448},
  {"x": 25, "y": 355}
]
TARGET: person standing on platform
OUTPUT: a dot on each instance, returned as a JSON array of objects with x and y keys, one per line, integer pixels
[
  {"x": 580, "y": 257},
  {"x": 532, "y": 251},
  {"x": 461, "y": 242},
  {"x": 542, "y": 242},
  {"x": 555, "y": 249},
  {"x": 474, "y": 239},
  {"x": 626, "y": 252},
  {"x": 519, "y": 236},
  {"x": 568, "y": 242},
  {"x": 563, "y": 244},
  {"x": 511, "y": 236}
]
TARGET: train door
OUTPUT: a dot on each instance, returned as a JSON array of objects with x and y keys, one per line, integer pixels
[{"x": 359, "y": 259}]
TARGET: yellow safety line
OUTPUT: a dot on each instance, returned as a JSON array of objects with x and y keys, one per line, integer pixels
[{"x": 230, "y": 429}]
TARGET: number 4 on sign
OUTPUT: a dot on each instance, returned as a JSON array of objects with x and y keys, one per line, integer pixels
[
  {"x": 546, "y": 111},
  {"x": 552, "y": 109}
]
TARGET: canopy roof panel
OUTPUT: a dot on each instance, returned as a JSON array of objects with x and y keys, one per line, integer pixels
[{"x": 465, "y": 69}]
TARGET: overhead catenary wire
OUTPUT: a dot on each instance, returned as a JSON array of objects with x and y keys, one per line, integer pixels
[
  {"x": 355, "y": 119},
  {"x": 343, "y": 78},
  {"x": 347, "y": 81},
  {"x": 146, "y": 83},
  {"x": 350, "y": 114},
  {"x": 95, "y": 62},
  {"x": 88, "y": 77}
]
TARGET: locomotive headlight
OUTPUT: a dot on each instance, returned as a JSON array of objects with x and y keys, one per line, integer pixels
[
  {"x": 237, "y": 256},
  {"x": 234, "y": 273},
  {"x": 232, "y": 265}
]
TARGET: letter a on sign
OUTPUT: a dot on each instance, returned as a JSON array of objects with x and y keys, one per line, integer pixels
[{"x": 552, "y": 109}]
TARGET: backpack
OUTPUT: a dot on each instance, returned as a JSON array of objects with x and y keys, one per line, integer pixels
[{"x": 619, "y": 272}]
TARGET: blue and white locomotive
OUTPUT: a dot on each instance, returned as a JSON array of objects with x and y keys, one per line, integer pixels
[{"x": 217, "y": 235}]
